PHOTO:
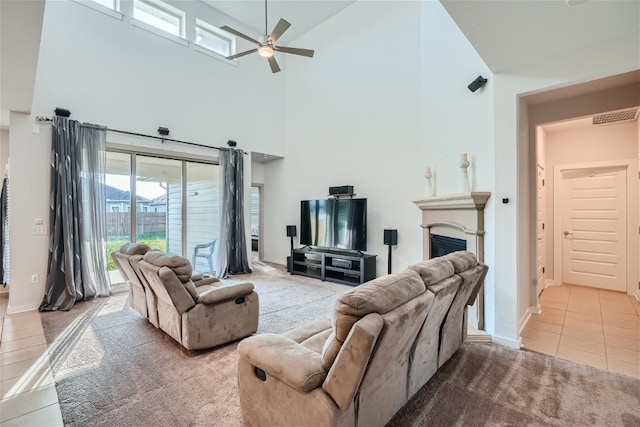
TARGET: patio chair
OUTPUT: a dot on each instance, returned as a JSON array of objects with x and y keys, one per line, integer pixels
[{"x": 205, "y": 251}]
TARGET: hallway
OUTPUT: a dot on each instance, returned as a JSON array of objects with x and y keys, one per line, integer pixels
[{"x": 586, "y": 325}]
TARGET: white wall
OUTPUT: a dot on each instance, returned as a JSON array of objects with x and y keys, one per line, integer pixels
[
  {"x": 109, "y": 72},
  {"x": 4, "y": 150},
  {"x": 352, "y": 117},
  {"x": 257, "y": 173},
  {"x": 373, "y": 111},
  {"x": 584, "y": 145},
  {"x": 29, "y": 178}
]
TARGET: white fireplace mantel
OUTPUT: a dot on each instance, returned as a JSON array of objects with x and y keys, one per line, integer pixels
[
  {"x": 459, "y": 216},
  {"x": 473, "y": 200}
]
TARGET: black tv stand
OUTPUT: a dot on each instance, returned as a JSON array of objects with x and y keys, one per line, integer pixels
[{"x": 346, "y": 267}]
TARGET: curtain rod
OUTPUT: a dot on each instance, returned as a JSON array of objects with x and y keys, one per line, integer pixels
[{"x": 125, "y": 132}]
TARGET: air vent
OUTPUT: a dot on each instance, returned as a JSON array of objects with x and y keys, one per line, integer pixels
[{"x": 615, "y": 117}]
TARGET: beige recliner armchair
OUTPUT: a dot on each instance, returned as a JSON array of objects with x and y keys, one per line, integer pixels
[
  {"x": 198, "y": 317},
  {"x": 141, "y": 296},
  {"x": 381, "y": 346},
  {"x": 137, "y": 292},
  {"x": 202, "y": 283}
]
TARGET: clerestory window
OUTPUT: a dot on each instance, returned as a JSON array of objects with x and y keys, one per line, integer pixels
[
  {"x": 109, "y": 4},
  {"x": 161, "y": 16},
  {"x": 214, "y": 39}
]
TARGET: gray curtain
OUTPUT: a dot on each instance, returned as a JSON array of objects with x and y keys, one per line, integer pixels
[
  {"x": 4, "y": 226},
  {"x": 77, "y": 263},
  {"x": 232, "y": 247}
]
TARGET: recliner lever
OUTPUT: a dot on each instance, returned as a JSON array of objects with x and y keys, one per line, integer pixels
[{"x": 262, "y": 375}]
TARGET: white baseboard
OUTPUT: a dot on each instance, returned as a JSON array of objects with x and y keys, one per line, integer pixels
[
  {"x": 22, "y": 308},
  {"x": 507, "y": 342},
  {"x": 273, "y": 261},
  {"x": 474, "y": 335},
  {"x": 527, "y": 315},
  {"x": 551, "y": 282}
]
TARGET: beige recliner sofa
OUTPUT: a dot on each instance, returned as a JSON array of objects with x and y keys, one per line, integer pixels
[
  {"x": 384, "y": 341},
  {"x": 141, "y": 296},
  {"x": 198, "y": 317}
]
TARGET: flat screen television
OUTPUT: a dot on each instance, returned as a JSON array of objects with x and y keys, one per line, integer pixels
[{"x": 334, "y": 223}]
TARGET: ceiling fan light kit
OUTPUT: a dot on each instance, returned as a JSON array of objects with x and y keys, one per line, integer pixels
[
  {"x": 265, "y": 51},
  {"x": 266, "y": 48}
]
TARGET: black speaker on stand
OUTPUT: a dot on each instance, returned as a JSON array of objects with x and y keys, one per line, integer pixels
[
  {"x": 291, "y": 232},
  {"x": 390, "y": 239}
]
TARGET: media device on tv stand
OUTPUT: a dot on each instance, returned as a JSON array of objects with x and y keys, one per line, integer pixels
[
  {"x": 341, "y": 190},
  {"x": 342, "y": 263}
]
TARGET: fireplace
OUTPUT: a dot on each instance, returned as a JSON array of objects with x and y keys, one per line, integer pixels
[
  {"x": 442, "y": 245},
  {"x": 452, "y": 223}
]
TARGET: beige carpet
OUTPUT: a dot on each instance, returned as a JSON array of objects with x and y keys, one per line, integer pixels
[{"x": 113, "y": 368}]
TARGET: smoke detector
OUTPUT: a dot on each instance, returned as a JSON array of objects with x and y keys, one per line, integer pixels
[{"x": 615, "y": 117}]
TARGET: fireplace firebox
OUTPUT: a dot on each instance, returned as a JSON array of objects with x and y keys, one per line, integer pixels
[{"x": 442, "y": 245}]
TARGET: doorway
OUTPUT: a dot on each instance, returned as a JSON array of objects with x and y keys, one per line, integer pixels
[
  {"x": 588, "y": 161},
  {"x": 257, "y": 243},
  {"x": 591, "y": 215}
]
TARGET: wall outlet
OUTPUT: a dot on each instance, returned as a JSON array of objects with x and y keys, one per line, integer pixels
[
  {"x": 39, "y": 230},
  {"x": 35, "y": 278}
]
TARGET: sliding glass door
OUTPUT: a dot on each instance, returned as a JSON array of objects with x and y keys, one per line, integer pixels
[
  {"x": 202, "y": 214},
  {"x": 172, "y": 205},
  {"x": 118, "y": 211},
  {"x": 158, "y": 203}
]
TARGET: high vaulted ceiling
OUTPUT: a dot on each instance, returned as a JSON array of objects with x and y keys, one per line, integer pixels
[
  {"x": 516, "y": 32},
  {"x": 303, "y": 15},
  {"x": 505, "y": 33}
]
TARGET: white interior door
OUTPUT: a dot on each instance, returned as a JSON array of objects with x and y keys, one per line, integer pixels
[
  {"x": 540, "y": 232},
  {"x": 594, "y": 228}
]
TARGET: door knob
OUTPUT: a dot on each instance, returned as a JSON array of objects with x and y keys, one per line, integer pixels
[{"x": 566, "y": 233}]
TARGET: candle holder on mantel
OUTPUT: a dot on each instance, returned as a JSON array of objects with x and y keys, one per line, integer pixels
[
  {"x": 464, "y": 166},
  {"x": 428, "y": 175}
]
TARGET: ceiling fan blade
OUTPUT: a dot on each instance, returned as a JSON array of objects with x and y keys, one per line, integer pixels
[
  {"x": 273, "y": 64},
  {"x": 295, "y": 51},
  {"x": 280, "y": 28},
  {"x": 246, "y": 52},
  {"x": 239, "y": 34}
]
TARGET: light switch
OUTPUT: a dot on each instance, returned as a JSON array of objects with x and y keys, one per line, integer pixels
[{"x": 37, "y": 221}]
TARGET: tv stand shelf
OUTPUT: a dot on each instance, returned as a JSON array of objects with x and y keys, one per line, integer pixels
[{"x": 348, "y": 268}]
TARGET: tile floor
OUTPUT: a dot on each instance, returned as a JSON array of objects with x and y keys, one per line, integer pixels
[
  {"x": 589, "y": 326},
  {"x": 28, "y": 395}
]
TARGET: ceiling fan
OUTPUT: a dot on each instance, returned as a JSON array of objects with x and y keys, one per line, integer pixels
[{"x": 266, "y": 46}]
